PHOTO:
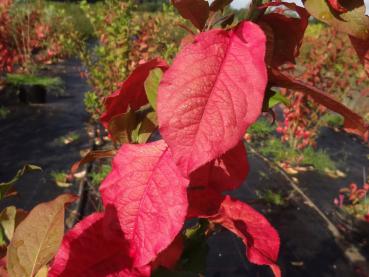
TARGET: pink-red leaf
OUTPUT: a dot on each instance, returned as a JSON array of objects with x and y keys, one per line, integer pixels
[
  {"x": 353, "y": 123},
  {"x": 210, "y": 95},
  {"x": 196, "y": 11},
  {"x": 261, "y": 239},
  {"x": 171, "y": 255},
  {"x": 131, "y": 92},
  {"x": 224, "y": 173},
  {"x": 149, "y": 194},
  {"x": 85, "y": 251}
]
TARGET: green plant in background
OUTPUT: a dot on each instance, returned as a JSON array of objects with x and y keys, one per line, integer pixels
[
  {"x": 31, "y": 80},
  {"x": 60, "y": 178},
  {"x": 98, "y": 176},
  {"x": 332, "y": 120},
  {"x": 261, "y": 128},
  {"x": 107, "y": 62},
  {"x": 271, "y": 197},
  {"x": 4, "y": 112}
]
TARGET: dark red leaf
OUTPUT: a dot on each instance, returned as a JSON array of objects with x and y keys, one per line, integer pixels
[
  {"x": 149, "y": 193},
  {"x": 196, "y": 11},
  {"x": 171, "y": 255},
  {"x": 335, "y": 4},
  {"x": 354, "y": 123},
  {"x": 131, "y": 92},
  {"x": 203, "y": 202},
  {"x": 287, "y": 34},
  {"x": 225, "y": 173},
  {"x": 362, "y": 50},
  {"x": 210, "y": 95},
  {"x": 85, "y": 251},
  {"x": 261, "y": 239}
]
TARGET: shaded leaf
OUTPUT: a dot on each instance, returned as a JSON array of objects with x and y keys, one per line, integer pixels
[
  {"x": 261, "y": 239},
  {"x": 131, "y": 93},
  {"x": 224, "y": 173},
  {"x": 121, "y": 127},
  {"x": 353, "y": 22},
  {"x": 203, "y": 112},
  {"x": 353, "y": 123},
  {"x": 169, "y": 257},
  {"x": 86, "y": 251},
  {"x": 148, "y": 191},
  {"x": 287, "y": 34},
  {"x": 147, "y": 127},
  {"x": 7, "y": 223},
  {"x": 38, "y": 237},
  {"x": 203, "y": 202},
  {"x": 5, "y": 187},
  {"x": 196, "y": 11},
  {"x": 152, "y": 86}
]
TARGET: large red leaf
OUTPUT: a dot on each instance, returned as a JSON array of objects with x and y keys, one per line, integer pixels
[
  {"x": 197, "y": 11},
  {"x": 353, "y": 123},
  {"x": 224, "y": 173},
  {"x": 85, "y": 251},
  {"x": 210, "y": 95},
  {"x": 261, "y": 239},
  {"x": 131, "y": 92},
  {"x": 287, "y": 33},
  {"x": 149, "y": 194},
  {"x": 171, "y": 255}
]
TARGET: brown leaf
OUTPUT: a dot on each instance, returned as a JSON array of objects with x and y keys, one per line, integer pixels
[
  {"x": 38, "y": 237},
  {"x": 219, "y": 4},
  {"x": 91, "y": 156},
  {"x": 197, "y": 11},
  {"x": 121, "y": 126},
  {"x": 362, "y": 49}
]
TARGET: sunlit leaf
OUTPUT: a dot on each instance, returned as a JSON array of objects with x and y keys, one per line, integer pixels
[
  {"x": 38, "y": 237},
  {"x": 152, "y": 86}
]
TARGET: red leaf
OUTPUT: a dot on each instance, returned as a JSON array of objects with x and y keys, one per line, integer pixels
[
  {"x": 287, "y": 33},
  {"x": 85, "y": 251},
  {"x": 171, "y": 255},
  {"x": 203, "y": 202},
  {"x": 225, "y": 173},
  {"x": 197, "y": 11},
  {"x": 354, "y": 123},
  {"x": 362, "y": 50},
  {"x": 204, "y": 111},
  {"x": 337, "y": 6},
  {"x": 131, "y": 92},
  {"x": 261, "y": 239},
  {"x": 149, "y": 193}
]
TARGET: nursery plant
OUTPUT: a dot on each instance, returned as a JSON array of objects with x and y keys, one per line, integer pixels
[{"x": 201, "y": 105}]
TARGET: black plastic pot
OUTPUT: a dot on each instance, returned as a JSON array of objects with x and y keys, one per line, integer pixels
[{"x": 32, "y": 94}]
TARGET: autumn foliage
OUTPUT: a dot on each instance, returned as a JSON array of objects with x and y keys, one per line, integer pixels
[{"x": 215, "y": 88}]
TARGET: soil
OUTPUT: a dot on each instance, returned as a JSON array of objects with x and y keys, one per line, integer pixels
[{"x": 31, "y": 134}]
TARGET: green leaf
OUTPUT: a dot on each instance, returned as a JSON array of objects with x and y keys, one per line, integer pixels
[
  {"x": 147, "y": 127},
  {"x": 354, "y": 22},
  {"x": 152, "y": 85},
  {"x": 278, "y": 98},
  {"x": 5, "y": 187},
  {"x": 38, "y": 237},
  {"x": 7, "y": 223}
]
